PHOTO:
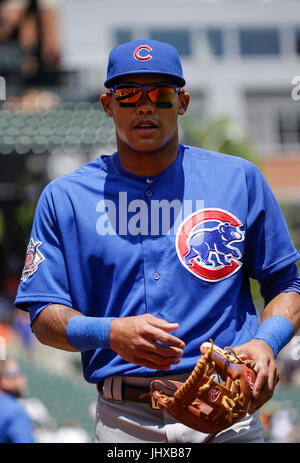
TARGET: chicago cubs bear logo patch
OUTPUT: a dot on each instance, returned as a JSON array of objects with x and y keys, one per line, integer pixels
[
  {"x": 207, "y": 244},
  {"x": 33, "y": 259}
]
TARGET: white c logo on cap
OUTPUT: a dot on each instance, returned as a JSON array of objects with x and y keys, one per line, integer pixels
[{"x": 137, "y": 51}]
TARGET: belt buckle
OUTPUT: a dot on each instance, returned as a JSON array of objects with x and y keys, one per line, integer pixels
[{"x": 153, "y": 402}]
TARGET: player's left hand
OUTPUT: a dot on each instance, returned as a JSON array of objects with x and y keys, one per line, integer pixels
[{"x": 267, "y": 370}]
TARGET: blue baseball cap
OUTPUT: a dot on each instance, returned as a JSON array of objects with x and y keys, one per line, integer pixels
[{"x": 144, "y": 57}]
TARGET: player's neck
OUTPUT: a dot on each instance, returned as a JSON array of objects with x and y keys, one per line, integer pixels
[{"x": 147, "y": 163}]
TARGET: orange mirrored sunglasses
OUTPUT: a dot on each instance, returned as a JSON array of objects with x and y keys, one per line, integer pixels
[{"x": 160, "y": 93}]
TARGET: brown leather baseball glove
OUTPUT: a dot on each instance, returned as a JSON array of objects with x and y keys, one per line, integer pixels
[{"x": 205, "y": 402}]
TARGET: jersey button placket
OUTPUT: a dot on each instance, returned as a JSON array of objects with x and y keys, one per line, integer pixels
[
  {"x": 155, "y": 276},
  {"x": 148, "y": 194}
]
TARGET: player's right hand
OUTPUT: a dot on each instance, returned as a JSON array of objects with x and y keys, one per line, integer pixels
[{"x": 145, "y": 340}]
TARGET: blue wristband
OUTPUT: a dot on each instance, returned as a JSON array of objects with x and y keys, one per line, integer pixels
[
  {"x": 276, "y": 331},
  {"x": 88, "y": 333}
]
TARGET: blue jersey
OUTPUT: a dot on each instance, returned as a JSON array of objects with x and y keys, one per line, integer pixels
[
  {"x": 15, "y": 424},
  {"x": 181, "y": 246}
]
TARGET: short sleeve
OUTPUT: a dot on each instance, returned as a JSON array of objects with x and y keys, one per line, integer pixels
[
  {"x": 268, "y": 246},
  {"x": 44, "y": 277}
]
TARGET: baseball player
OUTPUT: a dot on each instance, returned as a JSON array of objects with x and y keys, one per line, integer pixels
[{"x": 138, "y": 257}]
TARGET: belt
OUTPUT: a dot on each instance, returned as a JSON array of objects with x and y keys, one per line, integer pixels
[{"x": 134, "y": 393}]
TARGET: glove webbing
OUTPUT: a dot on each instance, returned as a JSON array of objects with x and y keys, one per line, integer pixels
[{"x": 188, "y": 391}]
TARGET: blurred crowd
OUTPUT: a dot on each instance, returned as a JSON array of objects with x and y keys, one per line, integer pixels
[
  {"x": 30, "y": 54},
  {"x": 26, "y": 419},
  {"x": 23, "y": 417},
  {"x": 281, "y": 415}
]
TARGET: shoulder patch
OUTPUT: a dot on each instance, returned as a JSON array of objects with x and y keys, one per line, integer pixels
[{"x": 33, "y": 259}]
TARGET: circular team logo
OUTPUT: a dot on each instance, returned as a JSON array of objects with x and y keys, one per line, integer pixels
[
  {"x": 142, "y": 53},
  {"x": 206, "y": 244}
]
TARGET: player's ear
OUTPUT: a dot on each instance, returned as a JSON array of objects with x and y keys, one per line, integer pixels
[
  {"x": 105, "y": 99},
  {"x": 184, "y": 99}
]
